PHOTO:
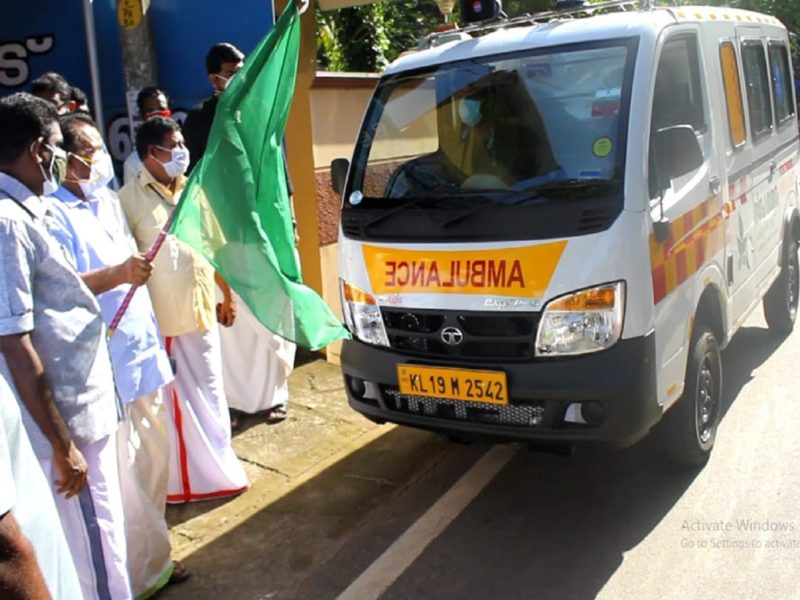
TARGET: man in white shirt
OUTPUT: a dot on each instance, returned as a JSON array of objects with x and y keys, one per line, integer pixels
[
  {"x": 34, "y": 557},
  {"x": 53, "y": 347}
]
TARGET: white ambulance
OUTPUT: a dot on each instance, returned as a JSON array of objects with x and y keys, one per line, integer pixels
[{"x": 551, "y": 226}]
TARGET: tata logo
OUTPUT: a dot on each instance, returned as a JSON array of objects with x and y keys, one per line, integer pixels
[{"x": 452, "y": 336}]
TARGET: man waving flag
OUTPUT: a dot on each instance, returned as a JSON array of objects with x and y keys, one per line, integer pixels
[{"x": 235, "y": 208}]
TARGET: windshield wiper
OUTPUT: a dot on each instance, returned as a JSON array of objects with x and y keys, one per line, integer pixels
[
  {"x": 482, "y": 198},
  {"x": 413, "y": 202},
  {"x": 535, "y": 192},
  {"x": 565, "y": 185}
]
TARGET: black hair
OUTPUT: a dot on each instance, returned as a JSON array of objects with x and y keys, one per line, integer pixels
[
  {"x": 222, "y": 53},
  {"x": 69, "y": 130},
  {"x": 52, "y": 83},
  {"x": 152, "y": 133},
  {"x": 23, "y": 119},
  {"x": 78, "y": 96},
  {"x": 150, "y": 91}
]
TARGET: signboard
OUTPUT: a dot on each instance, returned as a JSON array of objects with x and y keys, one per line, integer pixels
[{"x": 50, "y": 36}]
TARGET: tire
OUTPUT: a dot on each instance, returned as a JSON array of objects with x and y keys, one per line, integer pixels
[
  {"x": 780, "y": 301},
  {"x": 690, "y": 427}
]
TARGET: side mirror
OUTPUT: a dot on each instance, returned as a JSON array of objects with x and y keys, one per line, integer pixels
[
  {"x": 339, "y": 168},
  {"x": 661, "y": 230},
  {"x": 676, "y": 152}
]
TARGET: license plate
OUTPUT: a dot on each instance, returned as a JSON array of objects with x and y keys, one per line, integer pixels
[{"x": 453, "y": 384}]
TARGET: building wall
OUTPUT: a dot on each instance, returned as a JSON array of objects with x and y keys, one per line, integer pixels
[{"x": 338, "y": 102}]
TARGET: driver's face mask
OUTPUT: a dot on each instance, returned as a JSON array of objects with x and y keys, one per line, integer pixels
[{"x": 469, "y": 111}]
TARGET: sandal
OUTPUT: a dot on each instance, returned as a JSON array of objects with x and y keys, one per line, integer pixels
[
  {"x": 276, "y": 415},
  {"x": 237, "y": 420},
  {"x": 180, "y": 573}
]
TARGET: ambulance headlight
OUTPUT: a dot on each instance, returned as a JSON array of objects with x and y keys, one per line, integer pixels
[
  {"x": 583, "y": 322},
  {"x": 362, "y": 315}
]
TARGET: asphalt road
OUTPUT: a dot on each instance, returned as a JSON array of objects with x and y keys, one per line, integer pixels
[{"x": 602, "y": 523}]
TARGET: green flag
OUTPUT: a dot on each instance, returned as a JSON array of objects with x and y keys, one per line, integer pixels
[{"x": 235, "y": 208}]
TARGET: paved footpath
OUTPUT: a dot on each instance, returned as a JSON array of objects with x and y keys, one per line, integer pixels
[{"x": 313, "y": 479}]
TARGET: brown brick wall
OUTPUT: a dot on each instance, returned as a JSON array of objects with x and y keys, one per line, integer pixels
[{"x": 328, "y": 203}]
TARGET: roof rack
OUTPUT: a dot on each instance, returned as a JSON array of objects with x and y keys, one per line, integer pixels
[{"x": 435, "y": 39}]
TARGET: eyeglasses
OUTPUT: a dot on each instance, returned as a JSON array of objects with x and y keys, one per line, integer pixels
[
  {"x": 88, "y": 161},
  {"x": 55, "y": 150},
  {"x": 181, "y": 145}
]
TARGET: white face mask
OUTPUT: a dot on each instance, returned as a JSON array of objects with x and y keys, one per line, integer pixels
[
  {"x": 179, "y": 162},
  {"x": 55, "y": 172},
  {"x": 101, "y": 175},
  {"x": 226, "y": 81}
]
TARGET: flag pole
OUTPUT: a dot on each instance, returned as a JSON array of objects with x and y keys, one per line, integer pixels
[{"x": 149, "y": 256}]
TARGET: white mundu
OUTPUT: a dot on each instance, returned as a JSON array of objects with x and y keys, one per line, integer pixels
[
  {"x": 143, "y": 442},
  {"x": 202, "y": 463},
  {"x": 94, "y": 524},
  {"x": 248, "y": 342}
]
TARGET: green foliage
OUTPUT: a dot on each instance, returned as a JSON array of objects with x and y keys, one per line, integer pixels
[{"x": 367, "y": 38}]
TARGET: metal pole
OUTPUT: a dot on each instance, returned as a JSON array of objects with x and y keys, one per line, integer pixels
[{"x": 94, "y": 68}]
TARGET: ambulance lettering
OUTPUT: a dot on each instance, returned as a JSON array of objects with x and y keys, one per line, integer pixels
[
  {"x": 521, "y": 272},
  {"x": 454, "y": 274}
]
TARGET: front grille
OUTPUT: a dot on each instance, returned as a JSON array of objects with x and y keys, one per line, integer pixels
[
  {"x": 486, "y": 336},
  {"x": 519, "y": 415}
]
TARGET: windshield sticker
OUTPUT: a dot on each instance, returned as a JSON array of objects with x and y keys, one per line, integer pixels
[
  {"x": 517, "y": 272},
  {"x": 602, "y": 147},
  {"x": 606, "y": 102}
]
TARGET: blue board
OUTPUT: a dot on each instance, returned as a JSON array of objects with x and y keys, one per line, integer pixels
[{"x": 50, "y": 36}]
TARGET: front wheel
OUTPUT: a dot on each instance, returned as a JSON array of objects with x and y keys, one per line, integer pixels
[
  {"x": 690, "y": 427},
  {"x": 780, "y": 302}
]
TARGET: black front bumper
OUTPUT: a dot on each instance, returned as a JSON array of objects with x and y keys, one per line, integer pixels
[{"x": 620, "y": 380}]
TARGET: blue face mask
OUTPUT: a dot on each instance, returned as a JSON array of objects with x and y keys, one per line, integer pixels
[{"x": 469, "y": 110}]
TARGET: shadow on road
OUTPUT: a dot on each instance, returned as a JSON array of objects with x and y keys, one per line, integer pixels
[
  {"x": 554, "y": 527},
  {"x": 546, "y": 527},
  {"x": 749, "y": 349},
  {"x": 268, "y": 555}
]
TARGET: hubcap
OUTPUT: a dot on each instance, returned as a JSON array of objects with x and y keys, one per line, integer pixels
[{"x": 706, "y": 402}]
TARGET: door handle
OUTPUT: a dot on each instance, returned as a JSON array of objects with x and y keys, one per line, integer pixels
[
  {"x": 714, "y": 185},
  {"x": 772, "y": 168}
]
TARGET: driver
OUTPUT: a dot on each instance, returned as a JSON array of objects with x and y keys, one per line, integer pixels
[{"x": 477, "y": 157}]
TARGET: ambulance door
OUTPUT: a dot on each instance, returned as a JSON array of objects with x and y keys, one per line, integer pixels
[
  {"x": 691, "y": 204},
  {"x": 739, "y": 212},
  {"x": 770, "y": 208},
  {"x": 762, "y": 178}
]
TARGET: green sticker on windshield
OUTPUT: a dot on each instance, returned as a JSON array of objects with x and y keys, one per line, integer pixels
[{"x": 602, "y": 147}]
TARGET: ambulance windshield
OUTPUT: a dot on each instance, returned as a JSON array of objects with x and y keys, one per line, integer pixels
[{"x": 498, "y": 128}]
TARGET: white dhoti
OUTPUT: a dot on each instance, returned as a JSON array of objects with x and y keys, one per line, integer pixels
[
  {"x": 94, "y": 524},
  {"x": 143, "y": 443},
  {"x": 256, "y": 364},
  {"x": 202, "y": 462}
]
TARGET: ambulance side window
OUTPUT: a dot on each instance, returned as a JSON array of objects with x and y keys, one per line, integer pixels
[
  {"x": 782, "y": 95},
  {"x": 756, "y": 81},
  {"x": 678, "y": 94},
  {"x": 733, "y": 94}
]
